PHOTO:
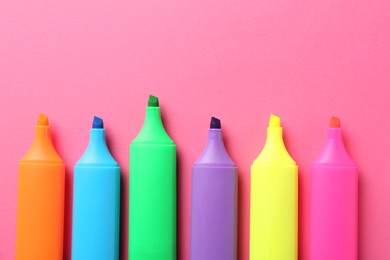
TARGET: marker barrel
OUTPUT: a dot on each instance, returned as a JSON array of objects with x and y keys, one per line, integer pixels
[
  {"x": 274, "y": 200},
  {"x": 40, "y": 206},
  {"x": 96, "y": 203},
  {"x": 274, "y": 216},
  {"x": 214, "y": 204},
  {"x": 334, "y": 203},
  {"x": 152, "y": 209}
]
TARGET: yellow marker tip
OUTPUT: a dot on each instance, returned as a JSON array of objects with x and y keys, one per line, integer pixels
[
  {"x": 274, "y": 121},
  {"x": 43, "y": 120}
]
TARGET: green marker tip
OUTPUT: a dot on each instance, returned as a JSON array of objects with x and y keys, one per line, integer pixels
[{"x": 153, "y": 101}]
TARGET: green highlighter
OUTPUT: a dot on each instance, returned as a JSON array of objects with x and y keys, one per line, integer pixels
[{"x": 152, "y": 216}]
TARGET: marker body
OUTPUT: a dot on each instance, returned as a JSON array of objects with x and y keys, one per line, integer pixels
[
  {"x": 334, "y": 202},
  {"x": 214, "y": 203},
  {"x": 40, "y": 209},
  {"x": 274, "y": 202},
  {"x": 96, "y": 202},
  {"x": 152, "y": 216}
]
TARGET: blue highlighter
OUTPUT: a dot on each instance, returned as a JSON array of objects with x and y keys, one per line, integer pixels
[{"x": 96, "y": 201}]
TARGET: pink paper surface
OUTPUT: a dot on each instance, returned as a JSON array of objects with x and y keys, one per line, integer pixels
[{"x": 236, "y": 60}]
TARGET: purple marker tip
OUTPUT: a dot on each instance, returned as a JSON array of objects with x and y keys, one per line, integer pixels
[{"x": 215, "y": 123}]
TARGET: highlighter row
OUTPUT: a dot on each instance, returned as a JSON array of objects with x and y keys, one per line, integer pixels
[{"x": 152, "y": 198}]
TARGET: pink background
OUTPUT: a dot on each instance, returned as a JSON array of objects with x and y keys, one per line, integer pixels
[{"x": 237, "y": 60}]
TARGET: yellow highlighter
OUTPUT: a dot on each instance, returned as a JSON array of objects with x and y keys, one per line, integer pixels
[{"x": 274, "y": 200}]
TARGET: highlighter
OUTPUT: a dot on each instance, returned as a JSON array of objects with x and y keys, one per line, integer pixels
[
  {"x": 152, "y": 209},
  {"x": 40, "y": 205},
  {"x": 274, "y": 200},
  {"x": 214, "y": 201},
  {"x": 96, "y": 200},
  {"x": 334, "y": 201}
]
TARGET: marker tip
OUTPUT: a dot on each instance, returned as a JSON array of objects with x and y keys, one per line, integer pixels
[
  {"x": 43, "y": 120},
  {"x": 97, "y": 123},
  {"x": 153, "y": 101},
  {"x": 274, "y": 121},
  {"x": 334, "y": 122},
  {"x": 215, "y": 123}
]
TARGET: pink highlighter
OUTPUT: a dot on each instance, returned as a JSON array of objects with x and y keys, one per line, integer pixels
[{"x": 334, "y": 201}]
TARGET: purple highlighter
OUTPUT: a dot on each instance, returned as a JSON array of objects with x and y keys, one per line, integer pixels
[{"x": 214, "y": 201}]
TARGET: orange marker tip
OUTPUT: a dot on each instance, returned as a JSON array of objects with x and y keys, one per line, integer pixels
[
  {"x": 43, "y": 120},
  {"x": 334, "y": 122}
]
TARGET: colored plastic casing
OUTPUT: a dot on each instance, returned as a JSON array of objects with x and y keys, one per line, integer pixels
[
  {"x": 152, "y": 216},
  {"x": 96, "y": 201},
  {"x": 214, "y": 202},
  {"x": 274, "y": 200},
  {"x": 334, "y": 201},
  {"x": 40, "y": 209}
]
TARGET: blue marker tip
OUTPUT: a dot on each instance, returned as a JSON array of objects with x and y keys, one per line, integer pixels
[{"x": 97, "y": 123}]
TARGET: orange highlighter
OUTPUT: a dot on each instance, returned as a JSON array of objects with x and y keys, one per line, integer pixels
[{"x": 40, "y": 209}]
